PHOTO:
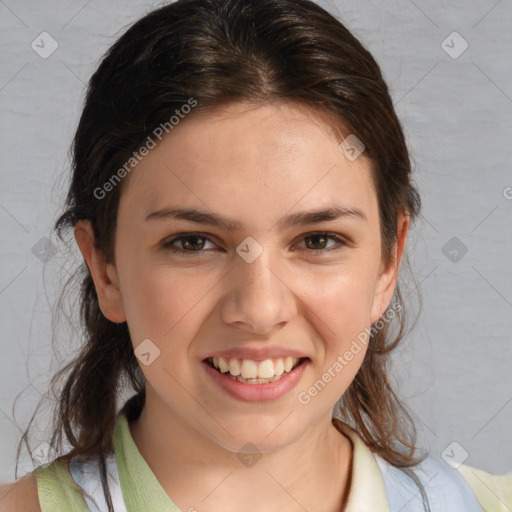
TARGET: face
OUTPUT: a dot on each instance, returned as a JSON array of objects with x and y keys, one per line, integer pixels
[{"x": 248, "y": 279}]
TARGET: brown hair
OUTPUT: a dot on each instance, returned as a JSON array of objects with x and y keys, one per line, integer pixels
[{"x": 219, "y": 52}]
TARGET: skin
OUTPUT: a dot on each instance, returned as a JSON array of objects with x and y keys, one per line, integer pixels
[{"x": 253, "y": 165}]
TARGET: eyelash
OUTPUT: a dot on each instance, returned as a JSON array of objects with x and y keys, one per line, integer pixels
[{"x": 167, "y": 245}]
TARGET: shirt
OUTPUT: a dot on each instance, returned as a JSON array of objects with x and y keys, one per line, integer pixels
[{"x": 375, "y": 485}]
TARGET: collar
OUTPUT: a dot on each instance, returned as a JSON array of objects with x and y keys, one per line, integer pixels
[{"x": 367, "y": 491}]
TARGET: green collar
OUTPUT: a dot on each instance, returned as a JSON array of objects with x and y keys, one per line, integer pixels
[{"x": 141, "y": 490}]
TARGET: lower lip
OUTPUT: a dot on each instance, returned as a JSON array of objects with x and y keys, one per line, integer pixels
[{"x": 258, "y": 392}]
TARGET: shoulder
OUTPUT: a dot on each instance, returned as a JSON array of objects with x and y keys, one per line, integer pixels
[
  {"x": 20, "y": 496},
  {"x": 56, "y": 488},
  {"x": 444, "y": 486},
  {"x": 494, "y": 492}
]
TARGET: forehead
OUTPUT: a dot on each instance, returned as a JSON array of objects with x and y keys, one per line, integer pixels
[{"x": 256, "y": 160}]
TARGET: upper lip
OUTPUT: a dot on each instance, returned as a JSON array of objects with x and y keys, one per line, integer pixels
[{"x": 256, "y": 354}]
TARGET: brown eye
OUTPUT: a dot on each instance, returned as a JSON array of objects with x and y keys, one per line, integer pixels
[
  {"x": 317, "y": 242},
  {"x": 190, "y": 243}
]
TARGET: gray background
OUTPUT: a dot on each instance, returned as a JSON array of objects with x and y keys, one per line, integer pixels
[{"x": 454, "y": 368}]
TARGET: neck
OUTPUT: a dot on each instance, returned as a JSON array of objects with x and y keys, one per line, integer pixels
[{"x": 199, "y": 474}]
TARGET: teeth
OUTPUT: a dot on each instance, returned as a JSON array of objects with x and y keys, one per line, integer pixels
[
  {"x": 249, "y": 369},
  {"x": 279, "y": 367},
  {"x": 266, "y": 369},
  {"x": 234, "y": 367},
  {"x": 223, "y": 365}
]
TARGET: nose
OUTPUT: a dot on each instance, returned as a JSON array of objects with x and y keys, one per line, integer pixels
[{"x": 259, "y": 299}]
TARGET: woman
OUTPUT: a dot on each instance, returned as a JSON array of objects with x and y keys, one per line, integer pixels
[{"x": 241, "y": 195}]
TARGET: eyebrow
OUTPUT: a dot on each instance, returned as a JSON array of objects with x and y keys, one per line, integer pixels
[{"x": 294, "y": 219}]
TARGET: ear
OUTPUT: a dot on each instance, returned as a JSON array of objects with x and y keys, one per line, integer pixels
[
  {"x": 103, "y": 274},
  {"x": 386, "y": 281}
]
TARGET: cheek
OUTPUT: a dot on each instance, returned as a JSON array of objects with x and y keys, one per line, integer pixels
[
  {"x": 339, "y": 306},
  {"x": 340, "y": 299},
  {"x": 161, "y": 304}
]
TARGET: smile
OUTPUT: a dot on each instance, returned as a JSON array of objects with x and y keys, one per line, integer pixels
[
  {"x": 254, "y": 372},
  {"x": 286, "y": 373}
]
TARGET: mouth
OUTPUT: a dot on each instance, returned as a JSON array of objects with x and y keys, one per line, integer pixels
[{"x": 249, "y": 371}]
